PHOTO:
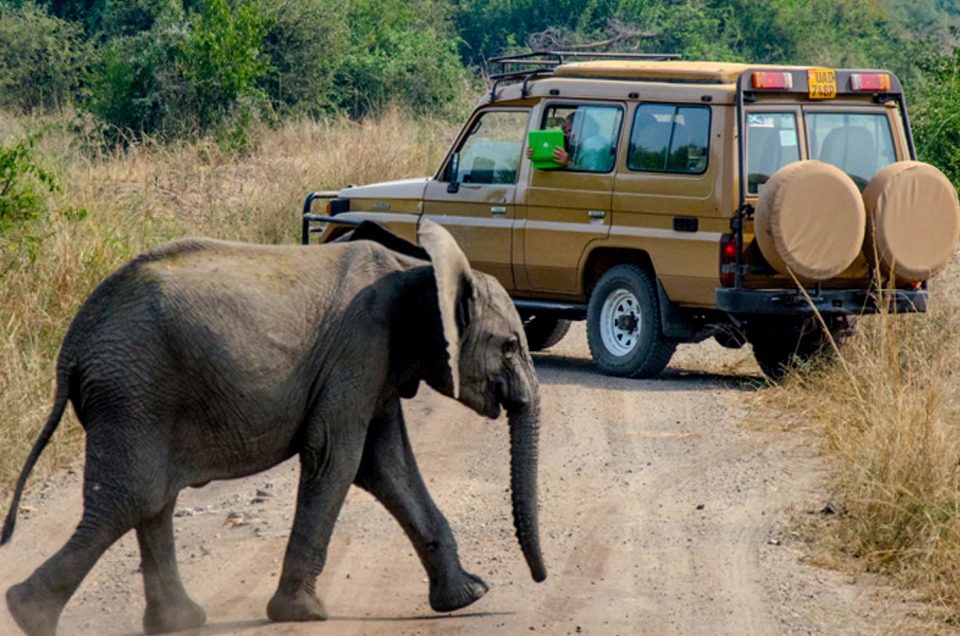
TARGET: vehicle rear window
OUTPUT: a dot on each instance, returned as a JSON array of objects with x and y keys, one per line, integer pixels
[
  {"x": 772, "y": 142},
  {"x": 857, "y": 143},
  {"x": 670, "y": 138}
]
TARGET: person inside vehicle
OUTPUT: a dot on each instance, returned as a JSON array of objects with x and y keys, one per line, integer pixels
[
  {"x": 591, "y": 152},
  {"x": 561, "y": 155}
]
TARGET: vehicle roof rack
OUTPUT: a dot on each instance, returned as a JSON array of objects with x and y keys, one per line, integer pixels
[{"x": 528, "y": 66}]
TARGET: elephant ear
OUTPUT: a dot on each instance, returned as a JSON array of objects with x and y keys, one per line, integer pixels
[{"x": 456, "y": 293}]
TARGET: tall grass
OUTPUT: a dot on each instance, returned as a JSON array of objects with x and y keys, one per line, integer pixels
[
  {"x": 149, "y": 193},
  {"x": 890, "y": 418}
]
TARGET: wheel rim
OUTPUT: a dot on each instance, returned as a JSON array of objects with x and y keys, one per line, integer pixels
[{"x": 620, "y": 322}]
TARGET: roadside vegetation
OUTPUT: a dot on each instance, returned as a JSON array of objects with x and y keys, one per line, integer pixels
[
  {"x": 124, "y": 124},
  {"x": 889, "y": 416},
  {"x": 110, "y": 205}
]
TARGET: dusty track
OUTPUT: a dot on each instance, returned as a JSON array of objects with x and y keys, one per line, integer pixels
[{"x": 660, "y": 513}]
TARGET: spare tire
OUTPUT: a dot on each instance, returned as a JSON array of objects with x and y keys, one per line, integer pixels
[
  {"x": 810, "y": 220},
  {"x": 913, "y": 220}
]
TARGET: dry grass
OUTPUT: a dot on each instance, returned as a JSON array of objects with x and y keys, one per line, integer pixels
[
  {"x": 150, "y": 193},
  {"x": 890, "y": 418}
]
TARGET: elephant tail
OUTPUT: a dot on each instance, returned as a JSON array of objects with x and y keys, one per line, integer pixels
[{"x": 59, "y": 405}]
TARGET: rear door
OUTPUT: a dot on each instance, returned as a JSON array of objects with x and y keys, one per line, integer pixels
[
  {"x": 475, "y": 195},
  {"x": 665, "y": 201}
]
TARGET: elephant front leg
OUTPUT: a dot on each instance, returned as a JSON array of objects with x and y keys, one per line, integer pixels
[
  {"x": 325, "y": 476},
  {"x": 389, "y": 472}
]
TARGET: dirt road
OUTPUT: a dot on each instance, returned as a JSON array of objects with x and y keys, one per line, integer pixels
[{"x": 660, "y": 514}]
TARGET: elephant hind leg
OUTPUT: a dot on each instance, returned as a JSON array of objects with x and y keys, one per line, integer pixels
[
  {"x": 389, "y": 472},
  {"x": 36, "y": 603},
  {"x": 169, "y": 609},
  {"x": 123, "y": 482}
]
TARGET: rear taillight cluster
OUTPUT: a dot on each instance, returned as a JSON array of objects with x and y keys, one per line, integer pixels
[{"x": 728, "y": 260}]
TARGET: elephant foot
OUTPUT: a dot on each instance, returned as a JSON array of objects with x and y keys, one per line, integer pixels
[
  {"x": 35, "y": 615},
  {"x": 296, "y": 607},
  {"x": 457, "y": 593},
  {"x": 173, "y": 617}
]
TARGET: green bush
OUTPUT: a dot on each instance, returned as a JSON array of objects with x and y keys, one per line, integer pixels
[
  {"x": 192, "y": 73},
  {"x": 936, "y": 119},
  {"x": 41, "y": 59},
  {"x": 398, "y": 52},
  {"x": 22, "y": 182},
  {"x": 220, "y": 60},
  {"x": 303, "y": 46}
]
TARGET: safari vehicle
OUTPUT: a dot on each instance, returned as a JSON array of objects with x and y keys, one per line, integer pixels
[{"x": 760, "y": 204}]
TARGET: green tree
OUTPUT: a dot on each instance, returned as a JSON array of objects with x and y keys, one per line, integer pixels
[
  {"x": 41, "y": 59},
  {"x": 22, "y": 181},
  {"x": 190, "y": 73},
  {"x": 398, "y": 52},
  {"x": 220, "y": 58},
  {"x": 303, "y": 46},
  {"x": 936, "y": 118}
]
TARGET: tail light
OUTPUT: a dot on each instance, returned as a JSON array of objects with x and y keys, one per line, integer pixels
[
  {"x": 775, "y": 81},
  {"x": 870, "y": 82},
  {"x": 728, "y": 260}
]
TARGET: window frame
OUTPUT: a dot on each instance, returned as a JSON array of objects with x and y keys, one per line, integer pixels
[
  {"x": 551, "y": 104},
  {"x": 676, "y": 106},
  {"x": 443, "y": 173}
]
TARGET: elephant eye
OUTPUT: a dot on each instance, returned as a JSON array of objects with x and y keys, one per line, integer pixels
[{"x": 510, "y": 346}]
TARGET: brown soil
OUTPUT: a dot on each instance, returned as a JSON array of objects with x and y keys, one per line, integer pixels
[{"x": 660, "y": 513}]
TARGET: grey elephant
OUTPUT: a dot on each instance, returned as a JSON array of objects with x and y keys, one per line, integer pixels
[{"x": 203, "y": 360}]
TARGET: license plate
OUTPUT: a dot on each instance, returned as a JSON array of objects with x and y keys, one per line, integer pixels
[{"x": 822, "y": 83}]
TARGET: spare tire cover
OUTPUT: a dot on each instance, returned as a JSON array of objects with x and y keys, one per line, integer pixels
[
  {"x": 913, "y": 220},
  {"x": 810, "y": 220}
]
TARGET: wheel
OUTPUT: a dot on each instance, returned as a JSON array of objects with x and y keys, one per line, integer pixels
[
  {"x": 777, "y": 354},
  {"x": 545, "y": 331},
  {"x": 623, "y": 325}
]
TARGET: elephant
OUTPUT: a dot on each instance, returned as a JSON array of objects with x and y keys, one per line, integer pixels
[{"x": 205, "y": 360}]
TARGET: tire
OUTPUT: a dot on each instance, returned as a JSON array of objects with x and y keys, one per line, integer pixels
[
  {"x": 545, "y": 331},
  {"x": 777, "y": 355},
  {"x": 623, "y": 325}
]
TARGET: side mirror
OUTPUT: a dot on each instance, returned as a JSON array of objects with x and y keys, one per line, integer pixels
[{"x": 453, "y": 173}]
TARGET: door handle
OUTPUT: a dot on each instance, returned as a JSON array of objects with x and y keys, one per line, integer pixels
[
  {"x": 596, "y": 214},
  {"x": 498, "y": 210}
]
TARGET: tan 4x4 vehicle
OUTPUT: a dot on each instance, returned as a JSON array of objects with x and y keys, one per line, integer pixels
[{"x": 694, "y": 200}]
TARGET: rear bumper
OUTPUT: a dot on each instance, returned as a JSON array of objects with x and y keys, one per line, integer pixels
[{"x": 826, "y": 301}]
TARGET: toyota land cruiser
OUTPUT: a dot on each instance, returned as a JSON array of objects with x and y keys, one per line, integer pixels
[{"x": 747, "y": 203}]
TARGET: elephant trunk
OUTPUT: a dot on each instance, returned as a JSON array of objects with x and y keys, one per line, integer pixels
[{"x": 524, "y": 432}]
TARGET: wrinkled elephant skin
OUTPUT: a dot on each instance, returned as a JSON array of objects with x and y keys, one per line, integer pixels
[{"x": 204, "y": 360}]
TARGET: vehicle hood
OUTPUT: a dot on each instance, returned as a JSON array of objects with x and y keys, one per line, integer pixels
[{"x": 401, "y": 189}]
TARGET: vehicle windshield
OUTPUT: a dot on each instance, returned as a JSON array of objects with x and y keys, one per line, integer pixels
[{"x": 857, "y": 143}]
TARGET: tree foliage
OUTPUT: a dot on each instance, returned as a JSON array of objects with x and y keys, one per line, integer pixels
[
  {"x": 176, "y": 67},
  {"x": 936, "y": 120},
  {"x": 22, "y": 181},
  {"x": 41, "y": 59}
]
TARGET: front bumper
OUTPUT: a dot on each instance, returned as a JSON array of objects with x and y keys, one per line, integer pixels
[{"x": 851, "y": 302}]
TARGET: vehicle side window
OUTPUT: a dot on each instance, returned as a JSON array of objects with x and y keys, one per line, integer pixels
[
  {"x": 772, "y": 143},
  {"x": 493, "y": 147},
  {"x": 590, "y": 135},
  {"x": 670, "y": 138}
]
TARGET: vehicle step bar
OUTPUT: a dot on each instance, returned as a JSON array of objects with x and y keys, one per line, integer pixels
[{"x": 573, "y": 311}]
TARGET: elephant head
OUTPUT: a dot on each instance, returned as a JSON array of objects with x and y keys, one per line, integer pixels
[{"x": 488, "y": 367}]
